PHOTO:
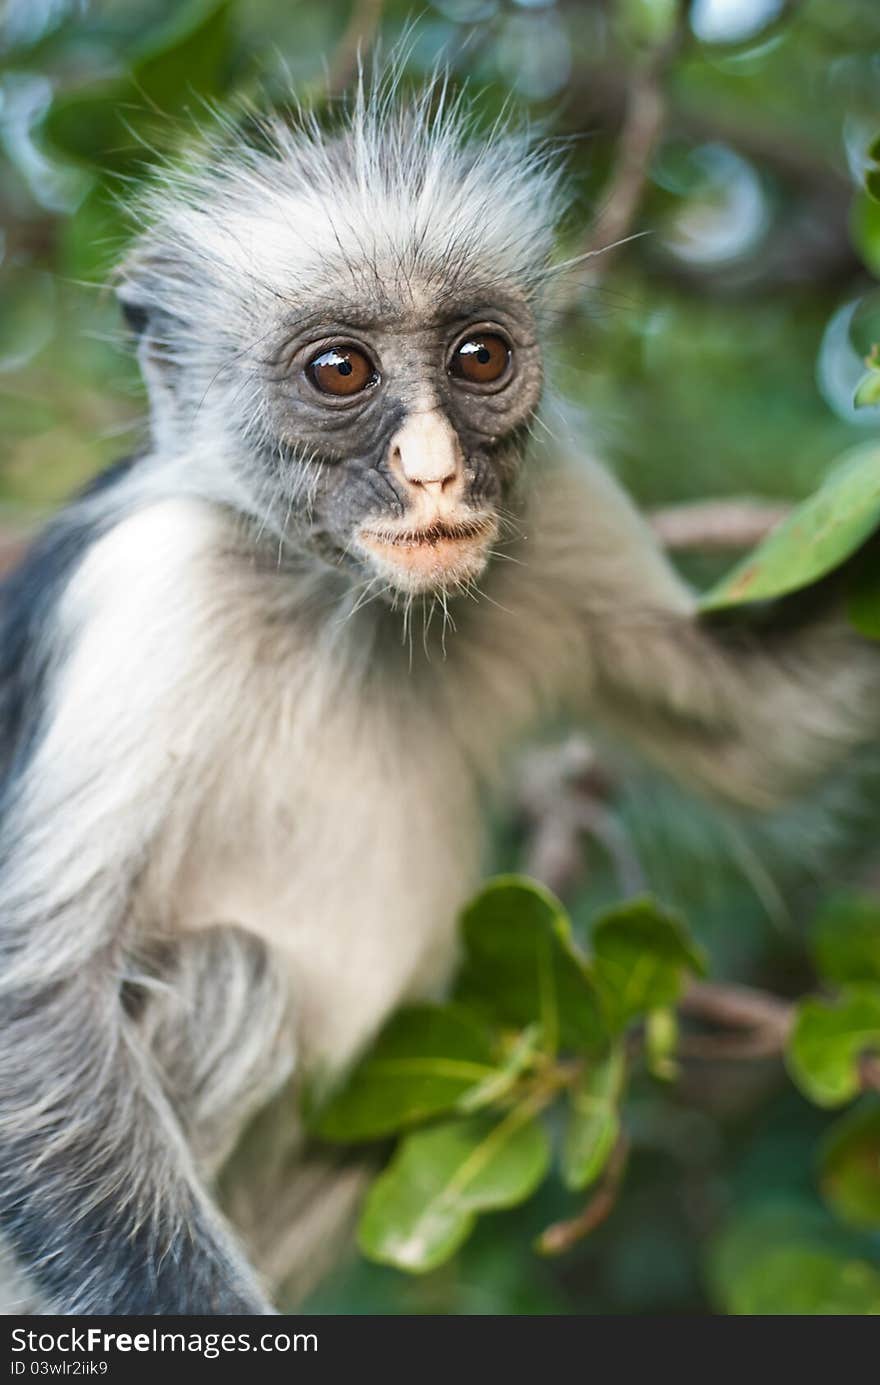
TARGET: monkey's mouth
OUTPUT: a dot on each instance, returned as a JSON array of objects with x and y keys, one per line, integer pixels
[{"x": 442, "y": 554}]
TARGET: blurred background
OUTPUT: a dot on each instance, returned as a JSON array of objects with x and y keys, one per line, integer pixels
[{"x": 716, "y": 356}]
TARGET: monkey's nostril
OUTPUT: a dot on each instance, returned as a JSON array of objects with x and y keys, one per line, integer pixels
[{"x": 434, "y": 485}]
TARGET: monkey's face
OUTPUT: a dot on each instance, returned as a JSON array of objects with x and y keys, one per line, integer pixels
[
  {"x": 338, "y": 329},
  {"x": 411, "y": 417}
]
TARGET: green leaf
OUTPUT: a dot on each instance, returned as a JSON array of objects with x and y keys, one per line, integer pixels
[
  {"x": 522, "y": 967},
  {"x": 93, "y": 240},
  {"x": 594, "y": 1122},
  {"x": 850, "y": 1166},
  {"x": 187, "y": 59},
  {"x": 865, "y": 230},
  {"x": 661, "y": 1043},
  {"x": 816, "y": 538},
  {"x": 846, "y": 939},
  {"x": 781, "y": 1260},
  {"x": 805, "y": 1281},
  {"x": 868, "y": 389},
  {"x": 511, "y": 1066},
  {"x": 874, "y": 150},
  {"x": 863, "y": 595},
  {"x": 425, "y": 1061},
  {"x": 872, "y": 183},
  {"x": 641, "y": 958},
  {"x": 827, "y": 1040},
  {"x": 425, "y": 1204}
]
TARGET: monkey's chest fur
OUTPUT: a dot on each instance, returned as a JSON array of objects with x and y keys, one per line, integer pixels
[
  {"x": 282, "y": 764},
  {"x": 315, "y": 804},
  {"x": 351, "y": 862}
]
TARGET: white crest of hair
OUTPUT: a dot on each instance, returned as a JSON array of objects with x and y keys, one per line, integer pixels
[{"x": 403, "y": 185}]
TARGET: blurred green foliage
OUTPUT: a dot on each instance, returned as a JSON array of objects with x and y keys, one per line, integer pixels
[{"x": 720, "y": 354}]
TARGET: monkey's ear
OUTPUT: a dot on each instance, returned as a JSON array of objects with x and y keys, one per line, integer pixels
[{"x": 139, "y": 292}]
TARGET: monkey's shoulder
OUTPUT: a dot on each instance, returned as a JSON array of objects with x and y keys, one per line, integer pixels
[
  {"x": 29, "y": 596},
  {"x": 31, "y": 589},
  {"x": 112, "y": 569}
]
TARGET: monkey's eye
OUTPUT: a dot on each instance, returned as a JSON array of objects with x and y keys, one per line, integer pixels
[
  {"x": 342, "y": 370},
  {"x": 481, "y": 359}
]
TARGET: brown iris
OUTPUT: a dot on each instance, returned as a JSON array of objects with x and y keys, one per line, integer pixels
[
  {"x": 342, "y": 370},
  {"x": 481, "y": 359}
]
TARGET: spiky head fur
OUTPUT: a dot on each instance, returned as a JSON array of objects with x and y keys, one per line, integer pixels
[{"x": 402, "y": 215}]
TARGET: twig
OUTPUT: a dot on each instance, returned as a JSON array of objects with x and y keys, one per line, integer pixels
[
  {"x": 562, "y": 1235},
  {"x": 645, "y": 115},
  {"x": 644, "y": 120},
  {"x": 563, "y": 794},
  {"x": 739, "y": 1007},
  {"x": 716, "y": 526},
  {"x": 357, "y": 40},
  {"x": 765, "y": 1022},
  {"x": 601, "y": 95},
  {"x": 761, "y": 1023},
  {"x": 869, "y": 1072}
]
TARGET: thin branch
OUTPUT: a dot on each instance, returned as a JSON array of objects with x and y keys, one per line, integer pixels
[
  {"x": 760, "y": 1023},
  {"x": 728, "y": 1048},
  {"x": 645, "y": 116},
  {"x": 716, "y": 526},
  {"x": 601, "y": 96},
  {"x": 562, "y": 1235},
  {"x": 563, "y": 794},
  {"x": 739, "y": 1007},
  {"x": 357, "y": 40},
  {"x": 644, "y": 120},
  {"x": 764, "y": 1023},
  {"x": 869, "y": 1072}
]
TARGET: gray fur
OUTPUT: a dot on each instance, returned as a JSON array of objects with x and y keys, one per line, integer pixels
[{"x": 249, "y": 807}]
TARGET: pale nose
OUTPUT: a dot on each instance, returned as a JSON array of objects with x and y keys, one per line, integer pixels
[{"x": 426, "y": 453}]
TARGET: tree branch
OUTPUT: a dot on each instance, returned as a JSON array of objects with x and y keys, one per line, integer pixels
[
  {"x": 761, "y": 1023},
  {"x": 562, "y": 1235},
  {"x": 645, "y": 116},
  {"x": 563, "y": 794},
  {"x": 644, "y": 119},
  {"x": 716, "y": 526},
  {"x": 357, "y": 40},
  {"x": 764, "y": 1022}
]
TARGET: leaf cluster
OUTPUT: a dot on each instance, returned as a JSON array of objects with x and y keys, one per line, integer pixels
[{"x": 537, "y": 1035}]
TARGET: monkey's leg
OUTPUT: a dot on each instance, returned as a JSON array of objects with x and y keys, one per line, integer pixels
[
  {"x": 100, "y": 1195},
  {"x": 293, "y": 1202},
  {"x": 18, "y": 1296},
  {"x": 218, "y": 1022}
]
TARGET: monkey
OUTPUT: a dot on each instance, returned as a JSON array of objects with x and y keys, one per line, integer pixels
[{"x": 256, "y": 682}]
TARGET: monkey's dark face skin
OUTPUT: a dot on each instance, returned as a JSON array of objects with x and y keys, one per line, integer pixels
[{"x": 405, "y": 421}]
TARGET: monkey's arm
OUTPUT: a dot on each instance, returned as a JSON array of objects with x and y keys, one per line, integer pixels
[
  {"x": 99, "y": 1195},
  {"x": 753, "y": 717}
]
